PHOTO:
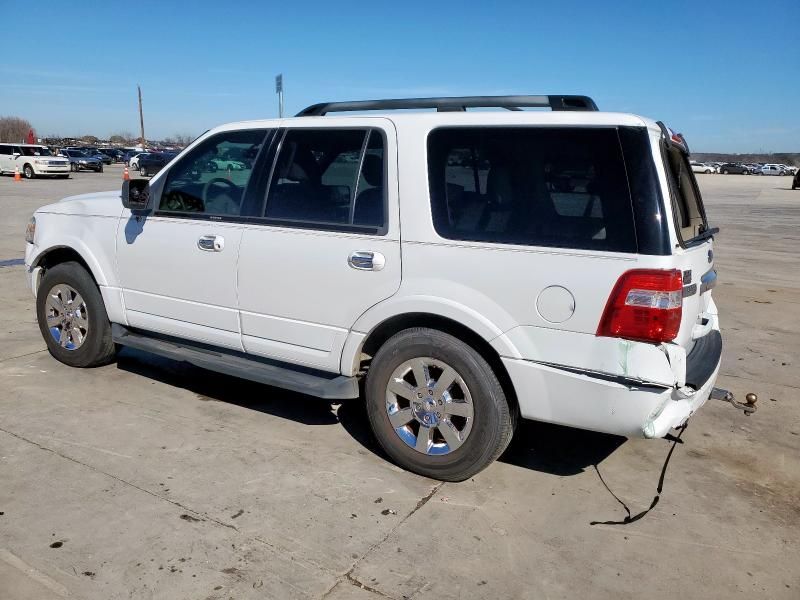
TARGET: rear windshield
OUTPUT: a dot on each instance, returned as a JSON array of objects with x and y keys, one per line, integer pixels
[
  {"x": 555, "y": 186},
  {"x": 690, "y": 217}
]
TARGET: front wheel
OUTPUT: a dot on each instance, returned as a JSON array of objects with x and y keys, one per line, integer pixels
[
  {"x": 436, "y": 406},
  {"x": 27, "y": 171},
  {"x": 72, "y": 317}
]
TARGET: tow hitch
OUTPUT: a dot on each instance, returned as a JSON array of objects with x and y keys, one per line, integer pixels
[{"x": 749, "y": 405}]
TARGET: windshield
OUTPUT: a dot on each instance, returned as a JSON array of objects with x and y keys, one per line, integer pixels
[
  {"x": 35, "y": 151},
  {"x": 689, "y": 214}
]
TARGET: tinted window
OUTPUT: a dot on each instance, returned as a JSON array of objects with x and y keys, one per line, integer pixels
[
  {"x": 686, "y": 196},
  {"x": 212, "y": 178},
  {"x": 329, "y": 176},
  {"x": 5, "y": 149},
  {"x": 560, "y": 187}
]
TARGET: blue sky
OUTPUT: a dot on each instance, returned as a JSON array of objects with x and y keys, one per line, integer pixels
[{"x": 726, "y": 74}]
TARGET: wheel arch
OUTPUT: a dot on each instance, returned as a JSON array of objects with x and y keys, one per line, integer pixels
[
  {"x": 392, "y": 325},
  {"x": 56, "y": 255}
]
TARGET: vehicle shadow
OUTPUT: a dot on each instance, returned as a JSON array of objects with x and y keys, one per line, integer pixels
[{"x": 542, "y": 447}]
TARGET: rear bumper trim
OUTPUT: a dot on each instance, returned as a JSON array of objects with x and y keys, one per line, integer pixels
[{"x": 703, "y": 360}]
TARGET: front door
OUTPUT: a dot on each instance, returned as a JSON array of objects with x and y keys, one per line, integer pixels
[
  {"x": 177, "y": 266},
  {"x": 326, "y": 246}
]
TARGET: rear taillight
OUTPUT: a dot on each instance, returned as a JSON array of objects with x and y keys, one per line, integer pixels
[{"x": 645, "y": 305}]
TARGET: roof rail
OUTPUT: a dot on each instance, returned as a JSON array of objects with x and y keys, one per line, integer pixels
[{"x": 455, "y": 103}]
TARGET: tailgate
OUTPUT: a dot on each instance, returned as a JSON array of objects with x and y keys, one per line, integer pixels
[{"x": 695, "y": 254}]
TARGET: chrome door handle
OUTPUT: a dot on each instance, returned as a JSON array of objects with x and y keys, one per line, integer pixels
[
  {"x": 366, "y": 260},
  {"x": 211, "y": 243}
]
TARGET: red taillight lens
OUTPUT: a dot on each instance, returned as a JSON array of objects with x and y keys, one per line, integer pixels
[{"x": 645, "y": 305}]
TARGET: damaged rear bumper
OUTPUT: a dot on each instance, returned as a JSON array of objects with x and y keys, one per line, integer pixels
[{"x": 614, "y": 404}]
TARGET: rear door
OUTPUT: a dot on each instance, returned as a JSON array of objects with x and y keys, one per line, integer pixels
[
  {"x": 695, "y": 254},
  {"x": 325, "y": 246}
]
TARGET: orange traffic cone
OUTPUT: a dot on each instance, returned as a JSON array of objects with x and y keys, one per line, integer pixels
[
  {"x": 17, "y": 176},
  {"x": 125, "y": 175}
]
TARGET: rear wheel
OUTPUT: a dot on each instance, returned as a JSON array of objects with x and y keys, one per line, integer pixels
[
  {"x": 436, "y": 406},
  {"x": 73, "y": 167},
  {"x": 725, "y": 172},
  {"x": 72, "y": 317}
]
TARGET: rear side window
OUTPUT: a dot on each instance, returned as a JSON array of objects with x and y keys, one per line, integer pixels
[
  {"x": 328, "y": 179},
  {"x": 555, "y": 187},
  {"x": 689, "y": 213}
]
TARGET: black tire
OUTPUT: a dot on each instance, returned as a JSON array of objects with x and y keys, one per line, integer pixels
[
  {"x": 98, "y": 347},
  {"x": 143, "y": 171},
  {"x": 725, "y": 172},
  {"x": 73, "y": 167},
  {"x": 100, "y": 168},
  {"x": 493, "y": 423},
  {"x": 27, "y": 172}
]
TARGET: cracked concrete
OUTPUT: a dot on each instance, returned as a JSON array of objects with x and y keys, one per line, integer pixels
[{"x": 151, "y": 479}]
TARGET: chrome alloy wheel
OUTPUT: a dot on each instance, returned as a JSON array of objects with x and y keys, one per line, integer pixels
[
  {"x": 429, "y": 406},
  {"x": 67, "y": 316}
]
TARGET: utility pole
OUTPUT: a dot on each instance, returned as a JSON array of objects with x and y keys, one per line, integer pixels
[
  {"x": 279, "y": 91},
  {"x": 141, "y": 117}
]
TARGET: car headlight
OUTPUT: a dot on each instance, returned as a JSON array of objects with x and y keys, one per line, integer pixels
[
  {"x": 30, "y": 230},
  {"x": 83, "y": 162}
]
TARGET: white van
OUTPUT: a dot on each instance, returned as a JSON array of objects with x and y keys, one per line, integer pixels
[{"x": 32, "y": 160}]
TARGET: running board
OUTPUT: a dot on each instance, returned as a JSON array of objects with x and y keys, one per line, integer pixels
[{"x": 321, "y": 384}]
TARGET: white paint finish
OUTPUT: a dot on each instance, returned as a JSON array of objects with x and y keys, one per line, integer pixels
[
  {"x": 92, "y": 238},
  {"x": 624, "y": 358},
  {"x": 502, "y": 283},
  {"x": 183, "y": 329},
  {"x": 351, "y": 354},
  {"x": 292, "y": 353},
  {"x": 115, "y": 306},
  {"x": 557, "y": 396},
  {"x": 555, "y": 304},
  {"x": 302, "y": 333},
  {"x": 296, "y": 288},
  {"x": 164, "y": 273}
]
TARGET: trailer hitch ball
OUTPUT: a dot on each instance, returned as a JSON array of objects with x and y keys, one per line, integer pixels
[{"x": 748, "y": 406}]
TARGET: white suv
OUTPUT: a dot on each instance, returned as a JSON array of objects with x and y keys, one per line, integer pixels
[
  {"x": 32, "y": 160},
  {"x": 471, "y": 267}
]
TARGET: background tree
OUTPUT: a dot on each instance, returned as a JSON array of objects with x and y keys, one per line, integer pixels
[
  {"x": 14, "y": 129},
  {"x": 121, "y": 137},
  {"x": 180, "y": 139}
]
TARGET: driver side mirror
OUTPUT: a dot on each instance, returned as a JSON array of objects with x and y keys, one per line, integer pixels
[{"x": 136, "y": 195}]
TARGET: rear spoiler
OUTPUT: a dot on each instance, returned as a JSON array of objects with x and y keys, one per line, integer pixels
[{"x": 673, "y": 139}]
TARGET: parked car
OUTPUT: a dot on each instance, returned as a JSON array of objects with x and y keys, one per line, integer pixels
[
  {"x": 734, "y": 168},
  {"x": 514, "y": 276},
  {"x": 152, "y": 163},
  {"x": 79, "y": 160},
  {"x": 771, "y": 170},
  {"x": 113, "y": 153},
  {"x": 133, "y": 161},
  {"x": 32, "y": 160},
  {"x": 789, "y": 169},
  {"x": 698, "y": 167},
  {"x": 93, "y": 153}
]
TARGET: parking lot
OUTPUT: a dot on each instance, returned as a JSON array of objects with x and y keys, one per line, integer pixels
[{"x": 153, "y": 479}]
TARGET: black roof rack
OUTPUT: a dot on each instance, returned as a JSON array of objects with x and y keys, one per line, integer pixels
[{"x": 456, "y": 103}]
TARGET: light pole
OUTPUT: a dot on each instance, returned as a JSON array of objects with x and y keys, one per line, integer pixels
[{"x": 279, "y": 91}]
